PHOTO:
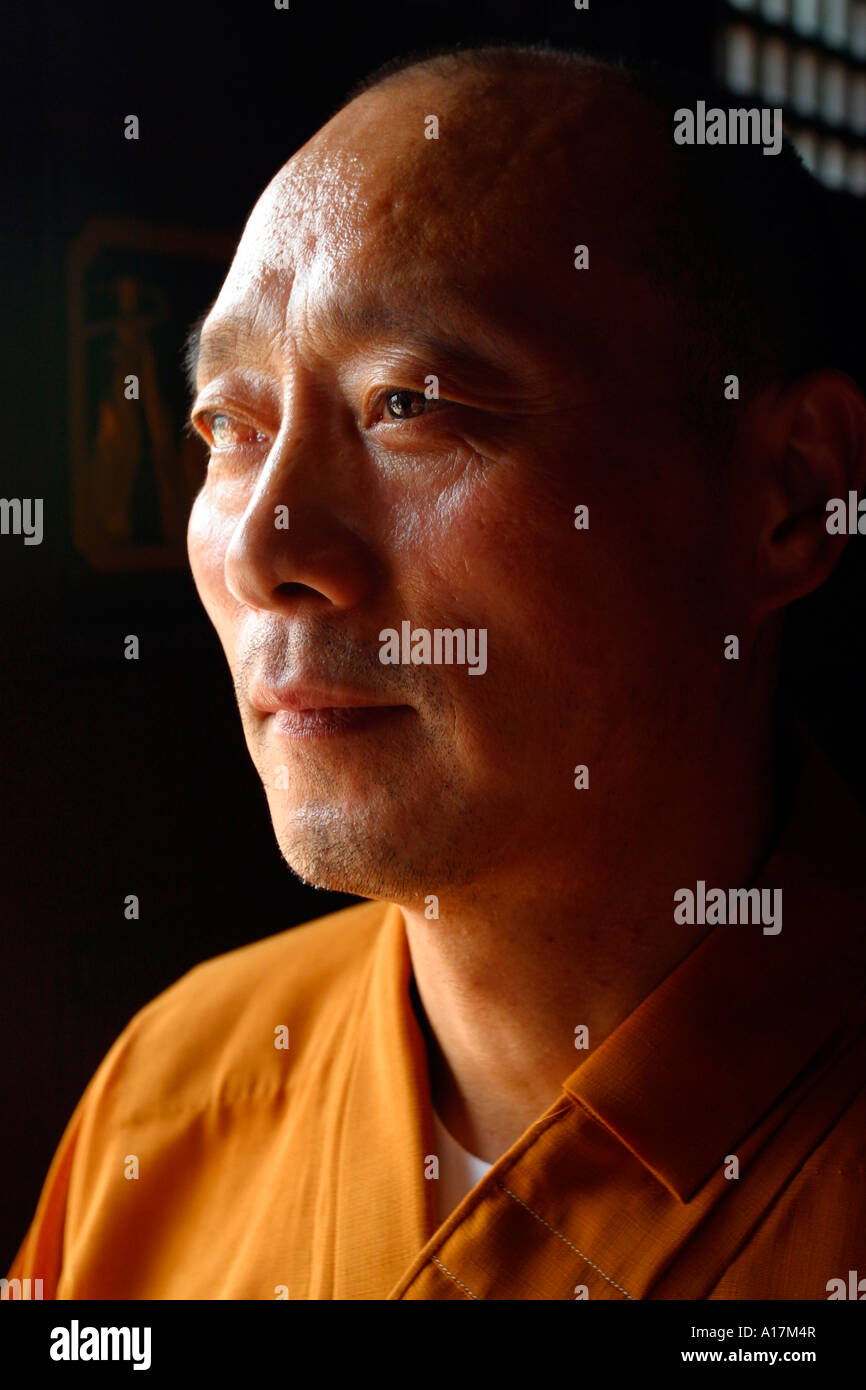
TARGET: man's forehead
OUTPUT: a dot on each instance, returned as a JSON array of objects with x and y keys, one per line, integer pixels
[
  {"x": 370, "y": 212},
  {"x": 473, "y": 339},
  {"x": 510, "y": 173},
  {"x": 317, "y": 204}
]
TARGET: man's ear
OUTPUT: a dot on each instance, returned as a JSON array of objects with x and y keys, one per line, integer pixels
[{"x": 816, "y": 433}]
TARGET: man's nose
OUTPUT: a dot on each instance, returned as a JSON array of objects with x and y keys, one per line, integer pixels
[{"x": 300, "y": 534}]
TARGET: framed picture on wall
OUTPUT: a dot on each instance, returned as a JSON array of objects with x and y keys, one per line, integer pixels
[{"x": 133, "y": 290}]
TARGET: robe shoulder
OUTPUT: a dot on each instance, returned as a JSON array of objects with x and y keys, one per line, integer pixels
[
  {"x": 205, "y": 1043},
  {"x": 212, "y": 1033}
]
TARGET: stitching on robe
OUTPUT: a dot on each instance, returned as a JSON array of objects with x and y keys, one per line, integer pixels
[
  {"x": 561, "y": 1237},
  {"x": 478, "y": 1194},
  {"x": 454, "y": 1277}
]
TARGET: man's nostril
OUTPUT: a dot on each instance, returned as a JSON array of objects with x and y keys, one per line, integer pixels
[{"x": 293, "y": 590}]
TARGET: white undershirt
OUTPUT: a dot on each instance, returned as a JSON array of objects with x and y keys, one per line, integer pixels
[{"x": 459, "y": 1170}]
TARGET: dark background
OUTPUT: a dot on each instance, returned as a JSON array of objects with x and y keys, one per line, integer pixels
[{"x": 132, "y": 777}]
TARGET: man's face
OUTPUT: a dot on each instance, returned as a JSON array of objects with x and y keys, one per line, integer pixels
[{"x": 376, "y": 260}]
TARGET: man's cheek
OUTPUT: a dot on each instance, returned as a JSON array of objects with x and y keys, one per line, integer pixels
[
  {"x": 435, "y": 500},
  {"x": 208, "y": 538}
]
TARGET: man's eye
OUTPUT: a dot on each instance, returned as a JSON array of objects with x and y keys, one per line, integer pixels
[
  {"x": 405, "y": 405},
  {"x": 227, "y": 433}
]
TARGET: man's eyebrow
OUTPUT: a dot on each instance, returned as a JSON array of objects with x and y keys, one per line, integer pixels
[
  {"x": 227, "y": 342},
  {"x": 434, "y": 336},
  {"x": 190, "y": 352}
]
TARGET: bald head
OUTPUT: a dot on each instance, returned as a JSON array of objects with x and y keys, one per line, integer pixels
[
  {"x": 523, "y": 139},
  {"x": 511, "y": 157}
]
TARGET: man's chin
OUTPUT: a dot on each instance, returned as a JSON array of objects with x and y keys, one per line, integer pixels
[
  {"x": 329, "y": 849},
  {"x": 341, "y": 856},
  {"x": 347, "y": 869}
]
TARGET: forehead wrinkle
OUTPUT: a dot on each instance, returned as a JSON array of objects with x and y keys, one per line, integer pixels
[
  {"x": 366, "y": 316},
  {"x": 363, "y": 323},
  {"x": 263, "y": 307}
]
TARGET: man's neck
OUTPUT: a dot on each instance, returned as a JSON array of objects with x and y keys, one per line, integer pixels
[{"x": 501, "y": 992}]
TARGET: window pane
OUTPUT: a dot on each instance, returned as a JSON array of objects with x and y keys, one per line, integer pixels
[
  {"x": 804, "y": 83},
  {"x": 834, "y": 23},
  {"x": 857, "y": 103},
  {"x": 806, "y": 145},
  {"x": 857, "y": 173},
  {"x": 741, "y": 59},
  {"x": 833, "y": 85},
  {"x": 831, "y": 163},
  {"x": 857, "y": 29},
  {"x": 804, "y": 16},
  {"x": 774, "y": 71}
]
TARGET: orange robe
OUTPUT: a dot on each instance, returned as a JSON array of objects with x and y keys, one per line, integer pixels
[{"x": 266, "y": 1172}]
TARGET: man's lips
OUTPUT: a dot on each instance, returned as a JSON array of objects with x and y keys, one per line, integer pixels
[
  {"x": 271, "y": 699},
  {"x": 303, "y": 713}
]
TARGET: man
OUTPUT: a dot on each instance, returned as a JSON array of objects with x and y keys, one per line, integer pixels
[{"x": 518, "y": 455}]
